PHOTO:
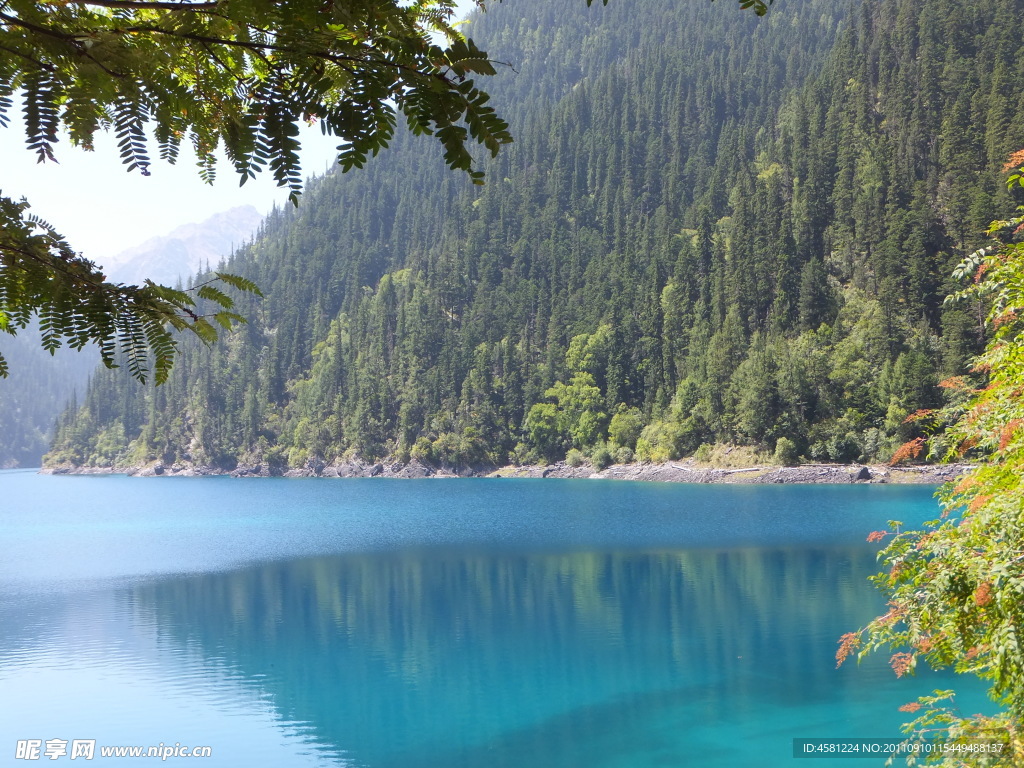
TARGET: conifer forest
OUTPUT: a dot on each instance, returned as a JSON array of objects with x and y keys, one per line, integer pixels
[{"x": 710, "y": 228}]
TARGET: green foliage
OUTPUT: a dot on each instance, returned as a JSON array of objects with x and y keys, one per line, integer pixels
[
  {"x": 458, "y": 450},
  {"x": 602, "y": 458},
  {"x": 578, "y": 413},
  {"x": 660, "y": 441},
  {"x": 786, "y": 452},
  {"x": 242, "y": 75},
  {"x": 956, "y": 589},
  {"x": 626, "y": 426},
  {"x": 423, "y": 450},
  {"x": 522, "y": 455},
  {"x": 575, "y": 458},
  {"x": 837, "y": 440},
  {"x": 543, "y": 431}
]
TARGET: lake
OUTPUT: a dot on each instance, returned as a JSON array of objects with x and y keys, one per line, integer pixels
[{"x": 456, "y": 623}]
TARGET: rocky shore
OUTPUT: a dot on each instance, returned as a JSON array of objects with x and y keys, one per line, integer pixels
[{"x": 687, "y": 471}]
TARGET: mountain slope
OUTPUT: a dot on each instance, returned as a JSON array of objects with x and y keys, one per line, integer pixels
[{"x": 709, "y": 229}]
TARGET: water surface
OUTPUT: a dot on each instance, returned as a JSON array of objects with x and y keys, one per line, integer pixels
[{"x": 420, "y": 624}]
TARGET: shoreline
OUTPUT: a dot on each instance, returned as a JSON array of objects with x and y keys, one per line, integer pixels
[{"x": 683, "y": 471}]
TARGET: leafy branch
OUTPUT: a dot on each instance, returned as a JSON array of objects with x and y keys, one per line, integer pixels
[
  {"x": 956, "y": 589},
  {"x": 40, "y": 274}
]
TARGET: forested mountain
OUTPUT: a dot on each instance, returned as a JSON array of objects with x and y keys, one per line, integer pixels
[{"x": 710, "y": 229}]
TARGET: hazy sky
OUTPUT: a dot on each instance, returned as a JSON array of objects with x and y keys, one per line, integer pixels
[{"x": 102, "y": 209}]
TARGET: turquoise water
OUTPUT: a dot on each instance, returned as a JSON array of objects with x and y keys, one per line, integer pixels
[{"x": 420, "y": 624}]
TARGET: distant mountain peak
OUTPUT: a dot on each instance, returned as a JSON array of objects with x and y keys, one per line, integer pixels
[{"x": 186, "y": 249}]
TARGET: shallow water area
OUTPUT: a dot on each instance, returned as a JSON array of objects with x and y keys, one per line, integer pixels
[{"x": 443, "y": 622}]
